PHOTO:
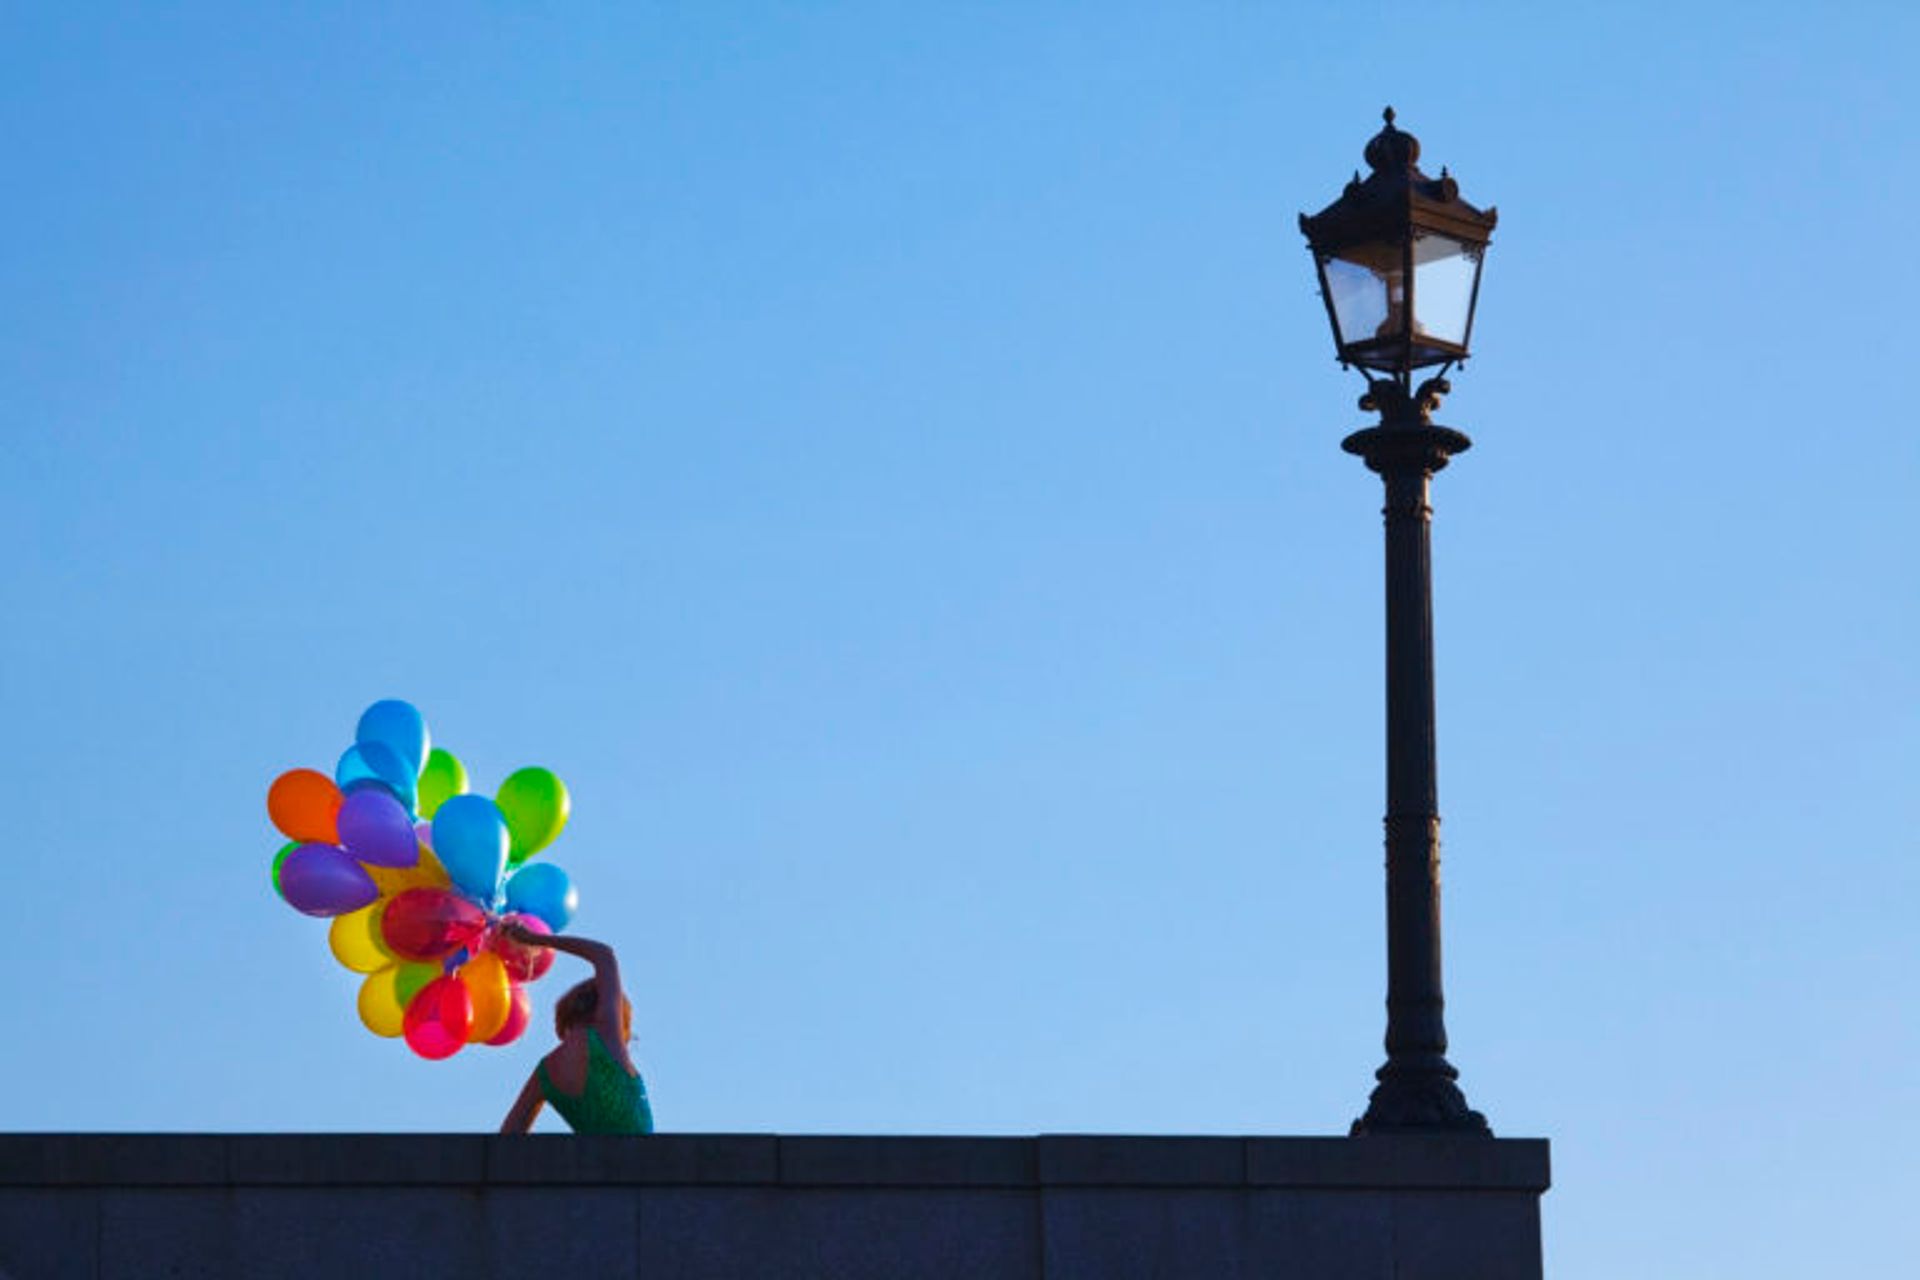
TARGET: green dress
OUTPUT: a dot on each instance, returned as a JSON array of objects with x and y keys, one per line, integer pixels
[{"x": 612, "y": 1102}]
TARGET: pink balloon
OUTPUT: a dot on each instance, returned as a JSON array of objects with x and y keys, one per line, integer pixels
[
  {"x": 524, "y": 963},
  {"x": 519, "y": 1014},
  {"x": 438, "y": 1018}
]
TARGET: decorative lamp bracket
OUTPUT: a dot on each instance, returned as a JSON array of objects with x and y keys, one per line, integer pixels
[
  {"x": 1398, "y": 406},
  {"x": 1407, "y": 438}
]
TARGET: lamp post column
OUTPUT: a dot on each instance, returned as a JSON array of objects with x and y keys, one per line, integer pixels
[{"x": 1416, "y": 1090}]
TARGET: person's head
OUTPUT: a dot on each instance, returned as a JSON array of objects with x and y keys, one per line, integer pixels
[{"x": 581, "y": 1006}]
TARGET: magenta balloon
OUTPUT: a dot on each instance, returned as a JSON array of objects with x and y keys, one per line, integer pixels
[
  {"x": 322, "y": 880},
  {"x": 376, "y": 829}
]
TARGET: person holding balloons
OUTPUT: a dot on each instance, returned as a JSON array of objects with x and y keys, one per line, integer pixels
[
  {"x": 589, "y": 1078},
  {"x": 437, "y": 899}
]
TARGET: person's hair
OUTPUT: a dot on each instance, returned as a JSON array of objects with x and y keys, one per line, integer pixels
[{"x": 581, "y": 1006}]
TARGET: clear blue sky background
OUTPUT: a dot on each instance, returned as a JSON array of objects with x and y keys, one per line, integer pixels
[{"x": 886, "y": 459}]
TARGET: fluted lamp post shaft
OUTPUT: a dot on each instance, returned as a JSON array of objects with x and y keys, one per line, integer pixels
[{"x": 1416, "y": 1087}]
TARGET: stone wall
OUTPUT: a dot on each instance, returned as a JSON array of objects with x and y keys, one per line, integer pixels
[{"x": 413, "y": 1207}]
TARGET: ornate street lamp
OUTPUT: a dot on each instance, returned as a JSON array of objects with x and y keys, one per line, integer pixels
[{"x": 1399, "y": 258}]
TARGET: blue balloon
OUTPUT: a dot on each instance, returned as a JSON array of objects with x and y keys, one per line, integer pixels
[
  {"x": 400, "y": 728},
  {"x": 544, "y": 890},
  {"x": 470, "y": 839},
  {"x": 370, "y": 764}
]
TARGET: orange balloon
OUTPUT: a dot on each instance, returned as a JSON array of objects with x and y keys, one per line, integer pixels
[
  {"x": 485, "y": 979},
  {"x": 305, "y": 805}
]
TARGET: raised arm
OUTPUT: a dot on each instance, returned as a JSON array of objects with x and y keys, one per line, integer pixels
[
  {"x": 606, "y": 979},
  {"x": 525, "y": 1108},
  {"x": 586, "y": 948}
]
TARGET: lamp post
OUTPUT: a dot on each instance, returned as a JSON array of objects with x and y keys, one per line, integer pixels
[{"x": 1399, "y": 258}]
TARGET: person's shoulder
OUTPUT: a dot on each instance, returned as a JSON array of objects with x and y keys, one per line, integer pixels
[{"x": 566, "y": 1065}]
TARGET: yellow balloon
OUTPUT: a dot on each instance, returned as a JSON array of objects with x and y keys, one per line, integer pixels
[
  {"x": 384, "y": 996},
  {"x": 485, "y": 978},
  {"x": 388, "y": 880},
  {"x": 356, "y": 941},
  {"x": 428, "y": 874}
]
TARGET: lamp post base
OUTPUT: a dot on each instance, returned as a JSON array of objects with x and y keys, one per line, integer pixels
[{"x": 1419, "y": 1101}]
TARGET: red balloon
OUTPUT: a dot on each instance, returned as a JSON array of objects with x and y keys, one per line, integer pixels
[
  {"x": 438, "y": 1018},
  {"x": 430, "y": 924},
  {"x": 524, "y": 963},
  {"x": 519, "y": 1014}
]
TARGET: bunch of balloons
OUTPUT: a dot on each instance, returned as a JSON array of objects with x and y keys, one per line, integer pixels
[{"x": 419, "y": 877}]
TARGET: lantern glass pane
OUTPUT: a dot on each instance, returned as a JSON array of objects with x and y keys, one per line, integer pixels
[
  {"x": 1366, "y": 284},
  {"x": 1444, "y": 270}
]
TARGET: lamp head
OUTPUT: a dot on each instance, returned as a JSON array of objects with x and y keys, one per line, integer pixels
[{"x": 1399, "y": 257}]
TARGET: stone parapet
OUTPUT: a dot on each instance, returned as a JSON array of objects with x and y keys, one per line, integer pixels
[{"x": 416, "y": 1206}]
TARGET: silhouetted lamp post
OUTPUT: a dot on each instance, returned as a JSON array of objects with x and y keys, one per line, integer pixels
[{"x": 1399, "y": 258}]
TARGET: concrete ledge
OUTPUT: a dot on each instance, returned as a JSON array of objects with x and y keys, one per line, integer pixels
[
  {"x": 907, "y": 1162},
  {"x": 711, "y": 1160},
  {"x": 1459, "y": 1163},
  {"x": 721, "y": 1206},
  {"x": 662, "y": 1159},
  {"x": 1142, "y": 1162}
]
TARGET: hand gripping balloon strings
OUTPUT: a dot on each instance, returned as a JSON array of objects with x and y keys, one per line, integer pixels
[{"x": 418, "y": 875}]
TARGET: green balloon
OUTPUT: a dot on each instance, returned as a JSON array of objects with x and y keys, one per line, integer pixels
[
  {"x": 441, "y": 779},
  {"x": 535, "y": 805},
  {"x": 280, "y": 858},
  {"x": 410, "y": 978}
]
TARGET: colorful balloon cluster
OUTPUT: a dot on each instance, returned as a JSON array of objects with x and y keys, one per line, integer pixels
[{"x": 419, "y": 876}]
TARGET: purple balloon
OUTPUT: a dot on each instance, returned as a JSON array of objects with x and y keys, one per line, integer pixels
[
  {"x": 375, "y": 828},
  {"x": 321, "y": 880},
  {"x": 424, "y": 830}
]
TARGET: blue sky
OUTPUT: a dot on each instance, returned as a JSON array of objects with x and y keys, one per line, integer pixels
[{"x": 886, "y": 459}]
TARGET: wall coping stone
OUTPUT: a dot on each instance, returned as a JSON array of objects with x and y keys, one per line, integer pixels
[{"x": 1084, "y": 1161}]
